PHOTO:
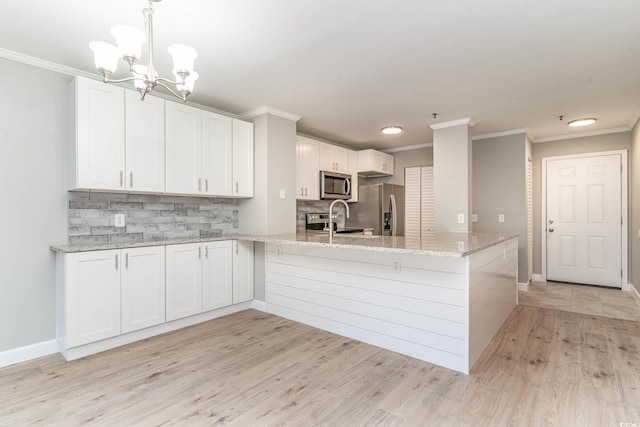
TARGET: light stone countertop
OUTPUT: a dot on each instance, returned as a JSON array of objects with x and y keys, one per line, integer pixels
[{"x": 455, "y": 245}]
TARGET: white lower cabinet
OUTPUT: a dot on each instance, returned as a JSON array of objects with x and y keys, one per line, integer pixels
[
  {"x": 142, "y": 278},
  {"x": 111, "y": 297},
  {"x": 242, "y": 271},
  {"x": 199, "y": 278},
  {"x": 92, "y": 297}
]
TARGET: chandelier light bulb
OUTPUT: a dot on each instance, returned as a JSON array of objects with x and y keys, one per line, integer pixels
[
  {"x": 189, "y": 82},
  {"x": 183, "y": 57},
  {"x": 105, "y": 56},
  {"x": 129, "y": 40}
]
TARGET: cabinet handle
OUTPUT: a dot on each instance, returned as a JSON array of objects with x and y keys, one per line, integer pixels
[
  {"x": 126, "y": 260},
  {"x": 206, "y": 251},
  {"x": 206, "y": 184},
  {"x": 121, "y": 178},
  {"x": 116, "y": 261},
  {"x": 302, "y": 191},
  {"x": 199, "y": 184},
  {"x": 200, "y": 252},
  {"x": 236, "y": 186},
  {"x": 305, "y": 191},
  {"x": 130, "y": 179}
]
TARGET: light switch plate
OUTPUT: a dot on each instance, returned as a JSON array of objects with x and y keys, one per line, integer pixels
[
  {"x": 500, "y": 217},
  {"x": 395, "y": 265},
  {"x": 474, "y": 217},
  {"x": 119, "y": 220},
  {"x": 460, "y": 218},
  {"x": 282, "y": 193}
]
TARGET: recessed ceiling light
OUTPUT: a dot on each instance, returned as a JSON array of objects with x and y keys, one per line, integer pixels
[
  {"x": 391, "y": 130},
  {"x": 582, "y": 122}
]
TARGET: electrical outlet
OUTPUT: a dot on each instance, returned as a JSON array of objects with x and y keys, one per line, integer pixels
[
  {"x": 395, "y": 264},
  {"x": 282, "y": 193},
  {"x": 120, "y": 221},
  {"x": 474, "y": 217},
  {"x": 278, "y": 251},
  {"x": 460, "y": 245},
  {"x": 500, "y": 217},
  {"x": 460, "y": 218}
]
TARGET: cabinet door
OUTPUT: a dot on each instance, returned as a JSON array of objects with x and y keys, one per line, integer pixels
[
  {"x": 99, "y": 135},
  {"x": 143, "y": 288},
  {"x": 327, "y": 161},
  {"x": 386, "y": 163},
  {"x": 307, "y": 169},
  {"x": 217, "y": 154},
  {"x": 183, "y": 149},
  {"x": 144, "y": 131},
  {"x": 341, "y": 158},
  {"x": 242, "y": 158},
  {"x": 92, "y": 296},
  {"x": 217, "y": 275},
  {"x": 242, "y": 271},
  {"x": 184, "y": 280}
]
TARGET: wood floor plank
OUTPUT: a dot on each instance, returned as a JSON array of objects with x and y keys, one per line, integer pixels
[{"x": 256, "y": 369}]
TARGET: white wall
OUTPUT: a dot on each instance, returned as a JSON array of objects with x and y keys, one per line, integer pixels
[{"x": 33, "y": 197}]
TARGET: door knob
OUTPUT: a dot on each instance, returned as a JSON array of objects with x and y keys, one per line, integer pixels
[{"x": 551, "y": 230}]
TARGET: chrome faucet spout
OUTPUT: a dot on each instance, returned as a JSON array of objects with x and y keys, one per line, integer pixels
[{"x": 331, "y": 216}]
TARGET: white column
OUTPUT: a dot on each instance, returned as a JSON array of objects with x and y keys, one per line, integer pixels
[{"x": 452, "y": 175}]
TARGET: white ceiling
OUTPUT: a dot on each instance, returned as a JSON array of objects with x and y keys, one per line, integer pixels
[{"x": 351, "y": 67}]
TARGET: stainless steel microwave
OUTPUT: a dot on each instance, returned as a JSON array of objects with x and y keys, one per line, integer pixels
[{"x": 335, "y": 185}]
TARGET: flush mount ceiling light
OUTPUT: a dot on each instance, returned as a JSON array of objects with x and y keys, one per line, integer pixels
[
  {"x": 582, "y": 122},
  {"x": 145, "y": 77},
  {"x": 391, "y": 130}
]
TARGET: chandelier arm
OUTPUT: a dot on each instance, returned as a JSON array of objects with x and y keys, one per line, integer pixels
[
  {"x": 162, "y": 79},
  {"x": 128, "y": 79},
  {"x": 174, "y": 93}
]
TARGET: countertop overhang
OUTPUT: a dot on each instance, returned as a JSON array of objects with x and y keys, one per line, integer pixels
[{"x": 454, "y": 245}]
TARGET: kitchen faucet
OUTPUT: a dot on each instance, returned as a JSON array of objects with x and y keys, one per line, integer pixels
[{"x": 331, "y": 216}]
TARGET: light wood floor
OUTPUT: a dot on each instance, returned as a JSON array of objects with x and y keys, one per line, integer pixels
[
  {"x": 544, "y": 368},
  {"x": 582, "y": 299}
]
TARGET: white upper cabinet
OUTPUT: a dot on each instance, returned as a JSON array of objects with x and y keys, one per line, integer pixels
[
  {"x": 242, "y": 158},
  {"x": 217, "y": 154},
  {"x": 334, "y": 158},
  {"x": 207, "y": 153},
  {"x": 307, "y": 169},
  {"x": 144, "y": 143},
  {"x": 375, "y": 163},
  {"x": 98, "y": 158},
  {"x": 183, "y": 149}
]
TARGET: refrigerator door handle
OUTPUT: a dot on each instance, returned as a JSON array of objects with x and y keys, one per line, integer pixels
[{"x": 392, "y": 214}]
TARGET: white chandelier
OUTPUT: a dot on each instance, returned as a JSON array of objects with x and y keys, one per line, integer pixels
[{"x": 145, "y": 77}]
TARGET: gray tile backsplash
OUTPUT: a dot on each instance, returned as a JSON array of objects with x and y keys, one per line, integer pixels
[
  {"x": 148, "y": 217},
  {"x": 303, "y": 207}
]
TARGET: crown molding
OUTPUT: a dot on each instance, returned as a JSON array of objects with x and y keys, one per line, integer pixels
[
  {"x": 582, "y": 134},
  {"x": 499, "y": 134},
  {"x": 634, "y": 120},
  {"x": 268, "y": 110},
  {"x": 452, "y": 123},
  {"x": 407, "y": 148},
  {"x": 46, "y": 65}
]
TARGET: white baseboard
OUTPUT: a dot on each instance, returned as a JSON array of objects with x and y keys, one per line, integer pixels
[
  {"x": 523, "y": 286},
  {"x": 537, "y": 278},
  {"x": 28, "y": 352},
  {"x": 259, "y": 305},
  {"x": 635, "y": 293}
]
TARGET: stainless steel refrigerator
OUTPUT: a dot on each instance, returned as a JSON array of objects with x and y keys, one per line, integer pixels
[{"x": 380, "y": 206}]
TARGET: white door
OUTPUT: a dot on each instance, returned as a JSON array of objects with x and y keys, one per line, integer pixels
[
  {"x": 100, "y": 135},
  {"x": 584, "y": 220},
  {"x": 183, "y": 149},
  {"x": 216, "y": 275},
  {"x": 242, "y": 271},
  {"x": 184, "y": 280},
  {"x": 93, "y": 296},
  {"x": 217, "y": 152},
  {"x": 142, "y": 287},
  {"x": 242, "y": 158},
  {"x": 144, "y": 130}
]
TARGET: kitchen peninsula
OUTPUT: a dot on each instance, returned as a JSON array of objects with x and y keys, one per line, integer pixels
[{"x": 440, "y": 298}]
